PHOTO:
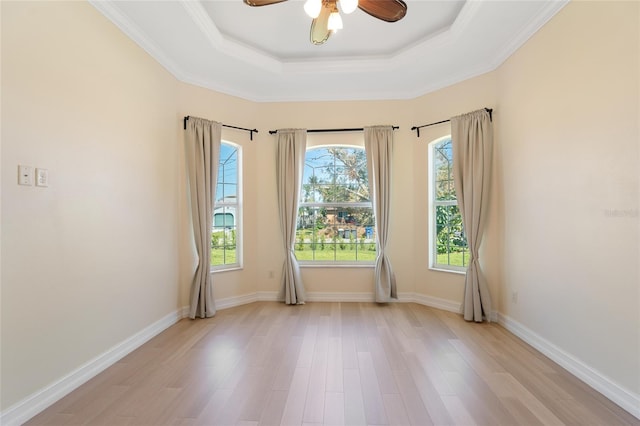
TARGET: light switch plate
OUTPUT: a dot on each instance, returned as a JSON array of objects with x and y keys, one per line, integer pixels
[
  {"x": 25, "y": 175},
  {"x": 42, "y": 177}
]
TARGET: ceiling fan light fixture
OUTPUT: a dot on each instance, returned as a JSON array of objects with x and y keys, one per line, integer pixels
[
  {"x": 335, "y": 21},
  {"x": 327, "y": 19},
  {"x": 348, "y": 6},
  {"x": 313, "y": 7}
]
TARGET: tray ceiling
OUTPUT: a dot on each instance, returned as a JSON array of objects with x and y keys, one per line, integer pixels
[{"x": 264, "y": 54}]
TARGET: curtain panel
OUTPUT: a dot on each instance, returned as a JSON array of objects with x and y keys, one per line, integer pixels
[
  {"x": 378, "y": 142},
  {"x": 472, "y": 146},
  {"x": 291, "y": 148},
  {"x": 203, "y": 138}
]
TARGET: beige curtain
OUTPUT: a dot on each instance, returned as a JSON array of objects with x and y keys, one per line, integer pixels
[
  {"x": 291, "y": 149},
  {"x": 378, "y": 143},
  {"x": 203, "y": 154},
  {"x": 472, "y": 145}
]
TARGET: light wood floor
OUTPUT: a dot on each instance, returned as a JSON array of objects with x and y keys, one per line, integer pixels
[{"x": 334, "y": 364}]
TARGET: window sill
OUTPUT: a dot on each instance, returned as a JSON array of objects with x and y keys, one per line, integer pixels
[
  {"x": 336, "y": 265},
  {"x": 231, "y": 268},
  {"x": 452, "y": 271}
]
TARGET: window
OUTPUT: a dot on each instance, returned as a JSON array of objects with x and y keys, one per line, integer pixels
[
  {"x": 225, "y": 233},
  {"x": 335, "y": 219},
  {"x": 448, "y": 242}
]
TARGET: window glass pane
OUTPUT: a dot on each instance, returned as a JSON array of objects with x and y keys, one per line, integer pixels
[
  {"x": 303, "y": 252},
  {"x": 225, "y": 214},
  {"x": 343, "y": 193},
  {"x": 327, "y": 232},
  {"x": 443, "y": 171},
  {"x": 317, "y": 158},
  {"x": 227, "y": 174},
  {"x": 363, "y": 192},
  {"x": 223, "y": 236},
  {"x": 450, "y": 243},
  {"x": 336, "y": 174},
  {"x": 230, "y": 192},
  {"x": 442, "y": 190},
  {"x": 310, "y": 183},
  {"x": 223, "y": 220},
  {"x": 335, "y": 234},
  {"x": 228, "y": 168},
  {"x": 325, "y": 193},
  {"x": 226, "y": 193}
]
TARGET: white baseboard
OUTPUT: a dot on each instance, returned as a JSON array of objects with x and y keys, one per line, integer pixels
[
  {"x": 316, "y": 296},
  {"x": 626, "y": 399},
  {"x": 38, "y": 401},
  {"x": 272, "y": 296},
  {"x": 433, "y": 302},
  {"x": 267, "y": 296},
  {"x": 230, "y": 302},
  {"x": 184, "y": 312},
  {"x": 321, "y": 296}
]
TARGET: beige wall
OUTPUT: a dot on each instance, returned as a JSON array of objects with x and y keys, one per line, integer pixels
[
  {"x": 408, "y": 241},
  {"x": 92, "y": 259},
  {"x": 337, "y": 115},
  {"x": 568, "y": 143},
  {"x": 263, "y": 253}
]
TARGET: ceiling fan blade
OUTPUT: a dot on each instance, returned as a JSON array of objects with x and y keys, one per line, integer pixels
[
  {"x": 387, "y": 10},
  {"x": 262, "y": 2},
  {"x": 320, "y": 26}
]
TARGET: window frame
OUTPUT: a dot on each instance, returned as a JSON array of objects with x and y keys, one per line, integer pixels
[
  {"x": 237, "y": 205},
  {"x": 356, "y": 204},
  {"x": 433, "y": 205}
]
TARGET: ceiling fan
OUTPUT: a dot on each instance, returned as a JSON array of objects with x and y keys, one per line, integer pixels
[{"x": 326, "y": 17}]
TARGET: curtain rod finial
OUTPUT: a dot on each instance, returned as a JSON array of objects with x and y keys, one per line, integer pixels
[{"x": 490, "y": 111}]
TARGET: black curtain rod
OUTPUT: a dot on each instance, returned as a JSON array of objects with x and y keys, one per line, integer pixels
[
  {"x": 354, "y": 129},
  {"x": 251, "y": 131},
  {"x": 417, "y": 128}
]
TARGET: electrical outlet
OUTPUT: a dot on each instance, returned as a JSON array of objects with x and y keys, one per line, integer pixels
[
  {"x": 514, "y": 296},
  {"x": 25, "y": 175},
  {"x": 42, "y": 177},
  {"x": 270, "y": 275}
]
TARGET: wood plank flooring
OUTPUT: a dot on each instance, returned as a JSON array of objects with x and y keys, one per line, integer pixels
[{"x": 267, "y": 363}]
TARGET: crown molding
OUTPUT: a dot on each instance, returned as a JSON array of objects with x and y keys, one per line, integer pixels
[
  {"x": 546, "y": 13},
  {"x": 131, "y": 30},
  {"x": 414, "y": 55},
  {"x": 226, "y": 45}
]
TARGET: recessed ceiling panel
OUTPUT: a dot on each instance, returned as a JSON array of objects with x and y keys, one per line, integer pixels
[{"x": 282, "y": 29}]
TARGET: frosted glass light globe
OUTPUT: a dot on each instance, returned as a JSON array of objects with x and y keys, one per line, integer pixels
[
  {"x": 348, "y": 6},
  {"x": 313, "y": 7}
]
